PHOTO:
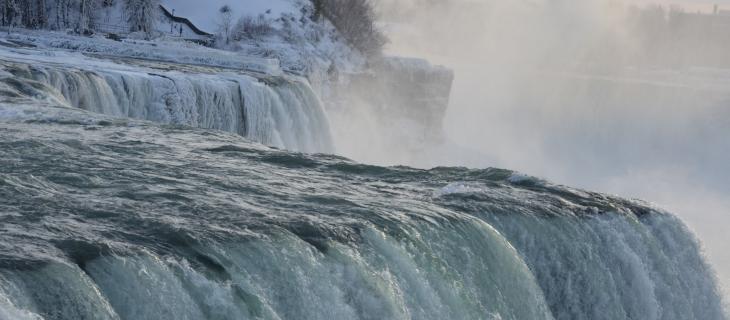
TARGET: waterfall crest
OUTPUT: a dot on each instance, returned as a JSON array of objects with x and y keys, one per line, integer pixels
[{"x": 281, "y": 111}]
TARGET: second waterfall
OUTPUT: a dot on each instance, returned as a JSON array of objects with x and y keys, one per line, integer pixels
[{"x": 279, "y": 111}]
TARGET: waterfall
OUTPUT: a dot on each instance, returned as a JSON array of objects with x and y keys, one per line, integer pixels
[
  {"x": 282, "y": 276},
  {"x": 625, "y": 263},
  {"x": 464, "y": 269},
  {"x": 131, "y": 220},
  {"x": 278, "y": 111},
  {"x": 152, "y": 218}
]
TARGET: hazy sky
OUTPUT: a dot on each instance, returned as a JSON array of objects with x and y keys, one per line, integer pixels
[
  {"x": 203, "y": 13},
  {"x": 654, "y": 139}
]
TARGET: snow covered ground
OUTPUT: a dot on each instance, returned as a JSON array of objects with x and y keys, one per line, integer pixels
[
  {"x": 163, "y": 49},
  {"x": 303, "y": 46},
  {"x": 294, "y": 44}
]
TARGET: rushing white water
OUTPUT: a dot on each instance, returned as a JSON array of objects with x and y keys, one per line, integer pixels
[
  {"x": 280, "y": 111},
  {"x": 105, "y": 217},
  {"x": 141, "y": 221}
]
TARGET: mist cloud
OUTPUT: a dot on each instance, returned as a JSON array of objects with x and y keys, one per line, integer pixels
[{"x": 586, "y": 93}]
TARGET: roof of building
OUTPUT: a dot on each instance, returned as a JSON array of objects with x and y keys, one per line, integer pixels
[{"x": 184, "y": 21}]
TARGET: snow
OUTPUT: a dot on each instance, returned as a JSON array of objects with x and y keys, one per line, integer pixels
[
  {"x": 204, "y": 13},
  {"x": 162, "y": 49},
  {"x": 296, "y": 44},
  {"x": 301, "y": 45}
]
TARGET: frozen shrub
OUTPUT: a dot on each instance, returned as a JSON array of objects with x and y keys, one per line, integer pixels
[
  {"x": 249, "y": 27},
  {"x": 355, "y": 20},
  {"x": 224, "y": 24}
]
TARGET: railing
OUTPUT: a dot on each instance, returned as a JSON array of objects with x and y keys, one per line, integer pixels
[{"x": 110, "y": 28}]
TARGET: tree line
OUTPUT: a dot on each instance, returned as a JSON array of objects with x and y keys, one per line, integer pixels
[
  {"x": 80, "y": 15},
  {"x": 356, "y": 21},
  {"x": 671, "y": 36}
]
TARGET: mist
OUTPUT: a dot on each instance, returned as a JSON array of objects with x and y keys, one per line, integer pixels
[{"x": 597, "y": 94}]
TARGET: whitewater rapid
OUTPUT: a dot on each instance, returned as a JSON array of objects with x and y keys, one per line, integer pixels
[
  {"x": 112, "y": 218},
  {"x": 147, "y": 192}
]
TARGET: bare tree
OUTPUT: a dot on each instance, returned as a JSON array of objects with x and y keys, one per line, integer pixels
[
  {"x": 355, "y": 20},
  {"x": 11, "y": 12},
  {"x": 318, "y": 9},
  {"x": 226, "y": 21},
  {"x": 59, "y": 10},
  {"x": 83, "y": 23},
  {"x": 26, "y": 13},
  {"x": 141, "y": 14},
  {"x": 252, "y": 28},
  {"x": 41, "y": 14},
  {"x": 64, "y": 6}
]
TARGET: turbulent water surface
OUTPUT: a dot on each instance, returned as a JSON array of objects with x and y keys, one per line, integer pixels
[{"x": 107, "y": 217}]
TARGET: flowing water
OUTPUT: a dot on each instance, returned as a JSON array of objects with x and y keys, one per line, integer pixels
[
  {"x": 279, "y": 111},
  {"x": 104, "y": 215}
]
